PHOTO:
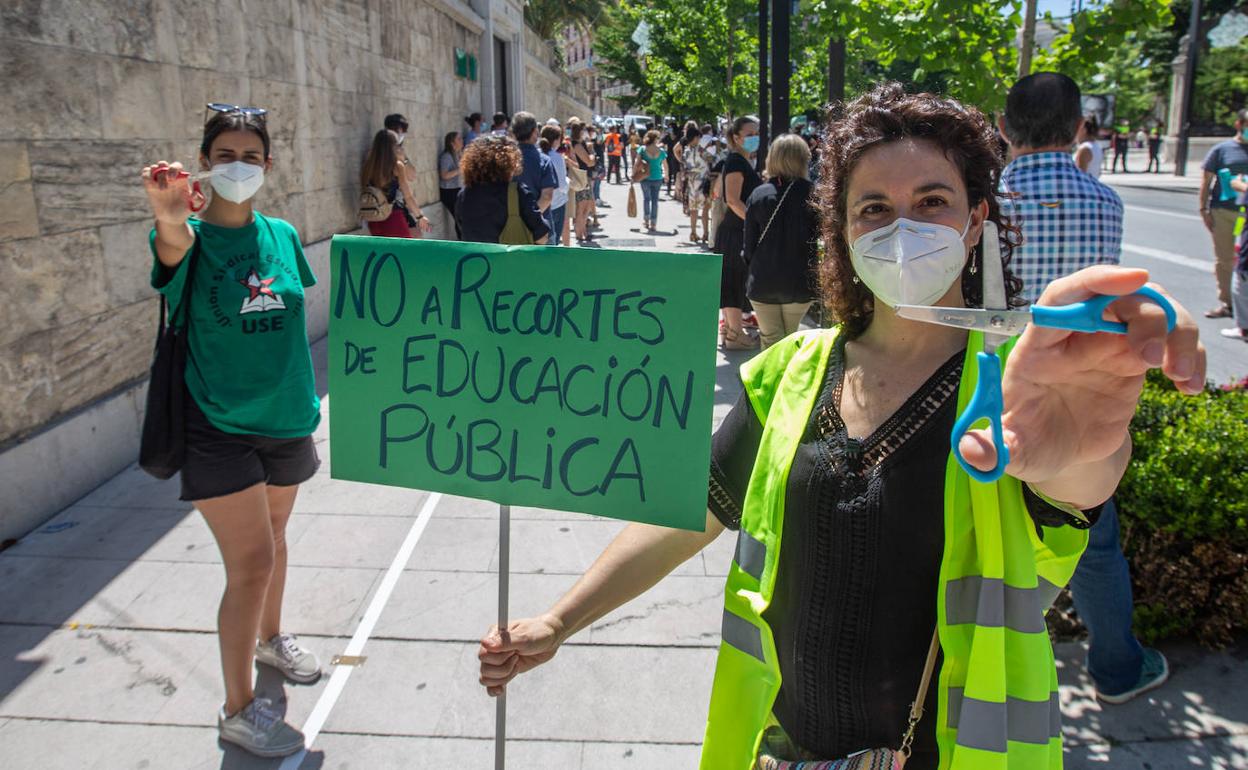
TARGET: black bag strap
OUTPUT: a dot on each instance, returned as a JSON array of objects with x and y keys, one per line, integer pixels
[{"x": 167, "y": 318}]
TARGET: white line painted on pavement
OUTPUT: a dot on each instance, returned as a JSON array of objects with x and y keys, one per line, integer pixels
[
  {"x": 1205, "y": 266},
  {"x": 1163, "y": 212},
  {"x": 338, "y": 680}
]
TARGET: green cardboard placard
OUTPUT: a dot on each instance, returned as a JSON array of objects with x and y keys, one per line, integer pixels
[{"x": 568, "y": 379}]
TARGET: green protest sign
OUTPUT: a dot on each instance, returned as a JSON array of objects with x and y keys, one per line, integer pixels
[{"x": 571, "y": 379}]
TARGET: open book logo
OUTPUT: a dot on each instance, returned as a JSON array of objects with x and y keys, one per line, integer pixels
[{"x": 260, "y": 297}]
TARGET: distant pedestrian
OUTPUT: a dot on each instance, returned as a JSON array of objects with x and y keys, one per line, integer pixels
[
  {"x": 599, "y": 150},
  {"x": 654, "y": 158},
  {"x": 1141, "y": 138},
  {"x": 472, "y": 127},
  {"x": 1084, "y": 228},
  {"x": 697, "y": 168},
  {"x": 448, "y": 175},
  {"x": 252, "y": 404},
  {"x": 737, "y": 181},
  {"x": 501, "y": 125},
  {"x": 1089, "y": 155},
  {"x": 670, "y": 140},
  {"x": 384, "y": 176},
  {"x": 580, "y": 182},
  {"x": 1219, "y": 212},
  {"x": 396, "y": 124},
  {"x": 1122, "y": 144},
  {"x": 690, "y": 137},
  {"x": 781, "y": 241},
  {"x": 494, "y": 206},
  {"x": 537, "y": 172},
  {"x": 1154, "y": 151},
  {"x": 615, "y": 153},
  {"x": 552, "y": 144}
]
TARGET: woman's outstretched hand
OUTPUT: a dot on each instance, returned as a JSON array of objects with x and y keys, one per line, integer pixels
[
  {"x": 1069, "y": 397},
  {"x": 525, "y": 645}
]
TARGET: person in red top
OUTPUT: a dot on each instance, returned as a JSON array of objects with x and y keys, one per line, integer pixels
[{"x": 615, "y": 150}]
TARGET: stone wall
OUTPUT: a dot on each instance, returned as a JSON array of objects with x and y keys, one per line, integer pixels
[{"x": 93, "y": 90}]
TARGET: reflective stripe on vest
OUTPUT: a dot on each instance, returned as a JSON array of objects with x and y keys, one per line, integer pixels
[{"x": 997, "y": 692}]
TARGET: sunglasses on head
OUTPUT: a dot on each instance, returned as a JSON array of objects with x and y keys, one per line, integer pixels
[{"x": 254, "y": 112}]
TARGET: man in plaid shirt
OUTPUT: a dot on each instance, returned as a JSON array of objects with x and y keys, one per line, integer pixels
[{"x": 1071, "y": 221}]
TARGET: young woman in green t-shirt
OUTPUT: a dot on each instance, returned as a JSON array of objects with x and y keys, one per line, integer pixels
[{"x": 253, "y": 403}]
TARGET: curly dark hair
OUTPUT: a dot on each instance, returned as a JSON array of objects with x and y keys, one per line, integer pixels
[
  {"x": 490, "y": 160},
  {"x": 888, "y": 114}
]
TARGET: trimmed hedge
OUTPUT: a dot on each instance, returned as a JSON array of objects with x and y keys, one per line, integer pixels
[{"x": 1183, "y": 506}]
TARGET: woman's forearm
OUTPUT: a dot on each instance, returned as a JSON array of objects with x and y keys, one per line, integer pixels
[
  {"x": 1089, "y": 484},
  {"x": 638, "y": 558}
]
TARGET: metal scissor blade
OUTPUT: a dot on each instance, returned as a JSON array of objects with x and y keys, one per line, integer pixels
[
  {"x": 1003, "y": 323},
  {"x": 993, "y": 273}
]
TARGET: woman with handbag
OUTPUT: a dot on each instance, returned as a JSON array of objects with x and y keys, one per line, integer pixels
[
  {"x": 493, "y": 206},
  {"x": 386, "y": 198},
  {"x": 879, "y": 597},
  {"x": 781, "y": 241},
  {"x": 236, "y": 279},
  {"x": 580, "y": 184},
  {"x": 650, "y": 171},
  {"x": 737, "y": 180}
]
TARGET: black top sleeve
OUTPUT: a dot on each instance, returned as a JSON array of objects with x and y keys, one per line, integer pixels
[{"x": 529, "y": 212}]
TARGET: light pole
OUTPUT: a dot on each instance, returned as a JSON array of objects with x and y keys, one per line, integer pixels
[{"x": 1185, "y": 109}]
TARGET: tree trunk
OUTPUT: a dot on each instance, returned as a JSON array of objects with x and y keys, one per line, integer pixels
[{"x": 1029, "y": 39}]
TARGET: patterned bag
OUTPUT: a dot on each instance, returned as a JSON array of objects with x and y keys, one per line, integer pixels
[{"x": 777, "y": 752}]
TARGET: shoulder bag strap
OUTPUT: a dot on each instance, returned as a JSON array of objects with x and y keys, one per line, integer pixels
[
  {"x": 775, "y": 211},
  {"x": 916, "y": 708},
  {"x": 184, "y": 302}
]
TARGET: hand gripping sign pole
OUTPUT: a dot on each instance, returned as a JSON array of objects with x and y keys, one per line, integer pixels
[{"x": 500, "y": 708}]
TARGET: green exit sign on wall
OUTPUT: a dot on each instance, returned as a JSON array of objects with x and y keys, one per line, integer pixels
[{"x": 465, "y": 64}]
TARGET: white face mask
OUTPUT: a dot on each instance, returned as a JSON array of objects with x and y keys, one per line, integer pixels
[
  {"x": 908, "y": 262},
  {"x": 238, "y": 181}
]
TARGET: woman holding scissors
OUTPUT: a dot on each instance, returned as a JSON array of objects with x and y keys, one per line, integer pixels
[
  {"x": 882, "y": 598},
  {"x": 236, "y": 279}
]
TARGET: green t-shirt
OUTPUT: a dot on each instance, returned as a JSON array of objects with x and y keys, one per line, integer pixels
[{"x": 248, "y": 366}]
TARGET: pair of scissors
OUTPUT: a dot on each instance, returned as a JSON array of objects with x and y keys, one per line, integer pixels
[
  {"x": 998, "y": 324},
  {"x": 195, "y": 198}
]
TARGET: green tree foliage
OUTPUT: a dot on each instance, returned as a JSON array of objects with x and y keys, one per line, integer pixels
[
  {"x": 548, "y": 17},
  {"x": 1222, "y": 85}
]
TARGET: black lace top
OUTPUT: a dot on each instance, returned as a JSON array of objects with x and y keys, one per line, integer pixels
[{"x": 854, "y": 606}]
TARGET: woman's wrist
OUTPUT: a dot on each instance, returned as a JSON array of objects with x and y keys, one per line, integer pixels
[{"x": 1087, "y": 485}]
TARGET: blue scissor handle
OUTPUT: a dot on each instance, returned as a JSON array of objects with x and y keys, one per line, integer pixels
[
  {"x": 985, "y": 403},
  {"x": 1087, "y": 316}
]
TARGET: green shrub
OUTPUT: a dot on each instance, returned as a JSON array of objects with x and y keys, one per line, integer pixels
[{"x": 1183, "y": 504}]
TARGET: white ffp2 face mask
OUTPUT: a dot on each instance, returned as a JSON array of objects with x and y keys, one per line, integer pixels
[
  {"x": 909, "y": 262},
  {"x": 238, "y": 181}
]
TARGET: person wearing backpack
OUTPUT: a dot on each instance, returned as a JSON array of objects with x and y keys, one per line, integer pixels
[
  {"x": 493, "y": 206},
  {"x": 781, "y": 235},
  {"x": 386, "y": 199}
]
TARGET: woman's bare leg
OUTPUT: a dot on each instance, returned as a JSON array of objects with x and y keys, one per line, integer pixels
[
  {"x": 242, "y": 526},
  {"x": 281, "y": 501}
]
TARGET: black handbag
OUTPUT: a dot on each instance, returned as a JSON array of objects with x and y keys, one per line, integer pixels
[{"x": 162, "y": 448}]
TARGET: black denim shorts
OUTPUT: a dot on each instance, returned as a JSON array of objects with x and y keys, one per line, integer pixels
[{"x": 220, "y": 463}]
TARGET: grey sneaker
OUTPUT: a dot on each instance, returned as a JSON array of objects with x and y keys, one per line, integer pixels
[
  {"x": 1153, "y": 674},
  {"x": 283, "y": 653},
  {"x": 260, "y": 730}
]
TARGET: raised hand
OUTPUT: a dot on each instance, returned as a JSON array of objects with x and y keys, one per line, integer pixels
[
  {"x": 1069, "y": 397},
  {"x": 168, "y": 192}
]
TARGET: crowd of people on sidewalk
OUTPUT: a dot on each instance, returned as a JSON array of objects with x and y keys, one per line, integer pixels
[{"x": 836, "y": 453}]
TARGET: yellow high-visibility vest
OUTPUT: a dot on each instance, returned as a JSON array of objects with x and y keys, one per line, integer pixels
[{"x": 998, "y": 702}]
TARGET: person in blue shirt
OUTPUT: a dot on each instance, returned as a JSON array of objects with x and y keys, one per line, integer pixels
[{"x": 538, "y": 172}]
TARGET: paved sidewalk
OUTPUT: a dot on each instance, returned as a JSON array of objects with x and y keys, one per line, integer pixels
[
  {"x": 109, "y": 653},
  {"x": 1163, "y": 180}
]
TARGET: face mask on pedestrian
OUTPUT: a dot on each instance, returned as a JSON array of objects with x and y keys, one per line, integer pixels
[
  {"x": 909, "y": 262},
  {"x": 750, "y": 144},
  {"x": 238, "y": 181}
]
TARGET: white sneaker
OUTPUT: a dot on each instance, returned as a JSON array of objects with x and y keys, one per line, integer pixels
[
  {"x": 260, "y": 730},
  {"x": 283, "y": 653},
  {"x": 1235, "y": 333}
]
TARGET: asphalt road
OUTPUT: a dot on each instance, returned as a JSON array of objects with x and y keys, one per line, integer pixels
[{"x": 1164, "y": 234}]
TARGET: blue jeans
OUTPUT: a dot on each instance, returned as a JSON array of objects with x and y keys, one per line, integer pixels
[
  {"x": 597, "y": 189},
  {"x": 554, "y": 220},
  {"x": 650, "y": 199},
  {"x": 1101, "y": 589}
]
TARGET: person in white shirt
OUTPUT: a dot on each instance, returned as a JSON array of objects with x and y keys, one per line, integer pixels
[
  {"x": 1089, "y": 155},
  {"x": 551, "y": 143}
]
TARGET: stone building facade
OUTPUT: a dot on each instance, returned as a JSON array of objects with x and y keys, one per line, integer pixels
[{"x": 95, "y": 89}]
